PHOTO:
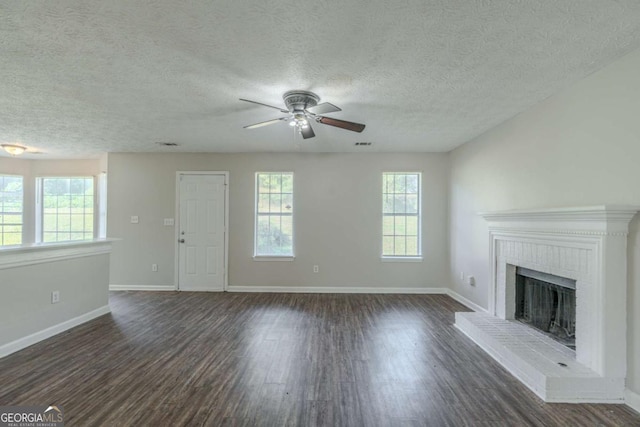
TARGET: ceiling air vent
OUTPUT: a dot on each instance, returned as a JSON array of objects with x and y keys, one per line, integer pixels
[{"x": 365, "y": 144}]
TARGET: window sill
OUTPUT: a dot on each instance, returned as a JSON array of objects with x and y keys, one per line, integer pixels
[
  {"x": 401, "y": 259},
  {"x": 273, "y": 258},
  {"x": 37, "y": 253}
]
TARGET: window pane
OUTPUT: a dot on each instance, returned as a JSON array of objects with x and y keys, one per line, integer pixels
[
  {"x": 67, "y": 209},
  {"x": 287, "y": 203},
  {"x": 276, "y": 203},
  {"x": 12, "y": 239},
  {"x": 263, "y": 203},
  {"x": 275, "y": 185},
  {"x": 387, "y": 245},
  {"x": 11, "y": 207},
  {"x": 412, "y": 184},
  {"x": 400, "y": 247},
  {"x": 412, "y": 245},
  {"x": 287, "y": 229},
  {"x": 11, "y": 218},
  {"x": 401, "y": 214},
  {"x": 76, "y": 236},
  {"x": 387, "y": 225},
  {"x": 49, "y": 237},
  {"x": 388, "y": 203},
  {"x": 412, "y": 203},
  {"x": 263, "y": 183},
  {"x": 287, "y": 183},
  {"x": 77, "y": 222},
  {"x": 400, "y": 223},
  {"x": 399, "y": 204},
  {"x": 412, "y": 226},
  {"x": 263, "y": 241},
  {"x": 64, "y": 222},
  {"x": 274, "y": 214},
  {"x": 400, "y": 183}
]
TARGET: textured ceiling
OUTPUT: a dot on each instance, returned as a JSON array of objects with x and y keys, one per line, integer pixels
[{"x": 78, "y": 78}]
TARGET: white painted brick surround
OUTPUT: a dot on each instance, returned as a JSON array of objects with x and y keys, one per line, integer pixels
[{"x": 588, "y": 245}]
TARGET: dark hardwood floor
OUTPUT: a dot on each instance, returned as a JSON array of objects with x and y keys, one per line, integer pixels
[{"x": 173, "y": 359}]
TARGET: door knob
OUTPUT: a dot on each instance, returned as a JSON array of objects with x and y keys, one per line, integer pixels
[{"x": 181, "y": 240}]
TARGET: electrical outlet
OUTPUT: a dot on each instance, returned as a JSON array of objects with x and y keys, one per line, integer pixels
[
  {"x": 134, "y": 219},
  {"x": 471, "y": 281},
  {"x": 55, "y": 297},
  {"x": 316, "y": 268},
  {"x": 154, "y": 267}
]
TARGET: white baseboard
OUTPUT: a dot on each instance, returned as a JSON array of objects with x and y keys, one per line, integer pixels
[
  {"x": 142, "y": 288},
  {"x": 632, "y": 399},
  {"x": 335, "y": 290},
  {"x": 36, "y": 337},
  {"x": 467, "y": 302}
]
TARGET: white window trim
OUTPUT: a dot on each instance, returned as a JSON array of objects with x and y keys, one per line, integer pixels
[
  {"x": 273, "y": 258},
  {"x": 22, "y": 222},
  {"x": 402, "y": 258},
  {"x": 399, "y": 258},
  {"x": 39, "y": 213},
  {"x": 256, "y": 256}
]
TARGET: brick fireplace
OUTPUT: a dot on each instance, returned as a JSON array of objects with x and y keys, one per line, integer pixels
[{"x": 586, "y": 246}]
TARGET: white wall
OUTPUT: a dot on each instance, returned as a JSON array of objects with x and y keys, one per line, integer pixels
[
  {"x": 337, "y": 218},
  {"x": 580, "y": 147},
  {"x": 25, "y": 306}
]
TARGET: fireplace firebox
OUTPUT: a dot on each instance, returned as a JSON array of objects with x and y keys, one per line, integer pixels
[{"x": 547, "y": 303}]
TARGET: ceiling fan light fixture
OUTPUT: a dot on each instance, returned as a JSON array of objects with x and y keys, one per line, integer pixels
[
  {"x": 13, "y": 149},
  {"x": 302, "y": 107}
]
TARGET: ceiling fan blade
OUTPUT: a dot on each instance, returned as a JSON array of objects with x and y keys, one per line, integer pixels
[
  {"x": 307, "y": 132},
  {"x": 355, "y": 127},
  {"x": 324, "y": 108},
  {"x": 265, "y": 105},
  {"x": 268, "y": 122}
]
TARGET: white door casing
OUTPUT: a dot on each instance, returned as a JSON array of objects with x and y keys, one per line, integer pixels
[{"x": 202, "y": 231}]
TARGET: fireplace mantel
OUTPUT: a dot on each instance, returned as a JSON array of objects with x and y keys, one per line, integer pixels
[
  {"x": 588, "y": 245},
  {"x": 587, "y": 220}
]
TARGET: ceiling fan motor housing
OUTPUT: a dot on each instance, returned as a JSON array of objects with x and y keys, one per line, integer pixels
[{"x": 300, "y": 100}]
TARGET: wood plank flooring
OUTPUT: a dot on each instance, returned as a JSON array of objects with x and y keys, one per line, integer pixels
[{"x": 174, "y": 359}]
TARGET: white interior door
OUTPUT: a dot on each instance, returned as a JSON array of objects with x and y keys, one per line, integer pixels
[{"x": 201, "y": 233}]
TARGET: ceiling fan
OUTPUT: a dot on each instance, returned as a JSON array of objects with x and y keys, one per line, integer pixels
[{"x": 302, "y": 107}]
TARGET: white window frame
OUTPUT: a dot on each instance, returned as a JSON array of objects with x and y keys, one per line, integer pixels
[
  {"x": 22, "y": 224},
  {"x": 402, "y": 258},
  {"x": 39, "y": 207},
  {"x": 273, "y": 257}
]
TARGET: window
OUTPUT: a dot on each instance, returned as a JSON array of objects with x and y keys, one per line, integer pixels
[
  {"x": 274, "y": 214},
  {"x": 11, "y": 206},
  {"x": 67, "y": 207},
  {"x": 401, "y": 215}
]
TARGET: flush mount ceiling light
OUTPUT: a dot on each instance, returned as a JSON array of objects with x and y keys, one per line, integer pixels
[{"x": 14, "y": 150}]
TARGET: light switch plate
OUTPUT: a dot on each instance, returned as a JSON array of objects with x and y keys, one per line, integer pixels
[
  {"x": 134, "y": 219},
  {"x": 169, "y": 222}
]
